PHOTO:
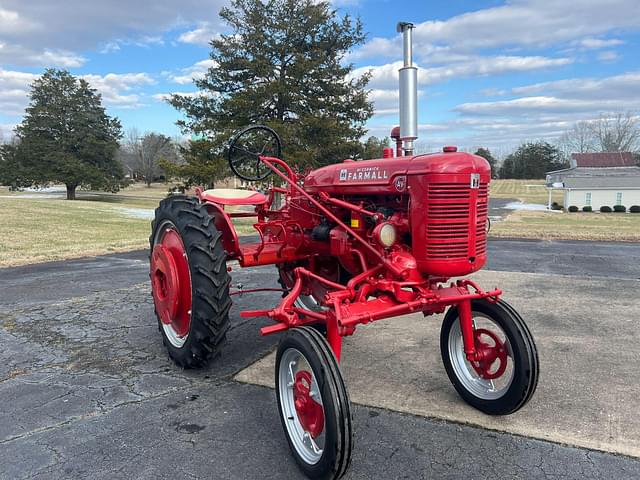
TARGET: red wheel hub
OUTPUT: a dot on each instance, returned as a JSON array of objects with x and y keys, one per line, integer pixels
[
  {"x": 310, "y": 413},
  {"x": 489, "y": 353},
  {"x": 171, "y": 282}
]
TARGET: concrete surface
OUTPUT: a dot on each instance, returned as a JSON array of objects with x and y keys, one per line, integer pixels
[
  {"x": 587, "y": 335},
  {"x": 87, "y": 390}
]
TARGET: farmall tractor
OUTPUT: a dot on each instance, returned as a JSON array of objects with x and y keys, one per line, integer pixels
[{"x": 352, "y": 243}]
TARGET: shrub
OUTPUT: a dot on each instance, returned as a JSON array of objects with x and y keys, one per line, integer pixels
[
  {"x": 605, "y": 209},
  {"x": 634, "y": 209},
  {"x": 556, "y": 206},
  {"x": 587, "y": 209},
  {"x": 573, "y": 208},
  {"x": 619, "y": 208}
]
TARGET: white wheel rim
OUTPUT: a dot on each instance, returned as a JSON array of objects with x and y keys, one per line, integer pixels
[
  {"x": 173, "y": 337},
  {"x": 308, "y": 448},
  {"x": 480, "y": 387}
]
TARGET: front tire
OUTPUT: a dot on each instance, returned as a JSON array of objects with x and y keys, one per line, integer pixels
[
  {"x": 506, "y": 381},
  {"x": 189, "y": 280},
  {"x": 313, "y": 404}
]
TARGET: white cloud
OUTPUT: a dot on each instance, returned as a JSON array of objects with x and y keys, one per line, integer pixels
[
  {"x": 386, "y": 102},
  {"x": 196, "y": 71},
  {"x": 14, "y": 87},
  {"x": 617, "y": 87},
  {"x": 595, "y": 43},
  {"x": 77, "y": 25},
  {"x": 201, "y": 35},
  {"x": 12, "y": 22},
  {"x": 45, "y": 57},
  {"x": 6, "y": 132},
  {"x": 518, "y": 23},
  {"x": 117, "y": 90},
  {"x": 545, "y": 110},
  {"x": 120, "y": 89},
  {"x": 386, "y": 76},
  {"x": 608, "y": 56}
]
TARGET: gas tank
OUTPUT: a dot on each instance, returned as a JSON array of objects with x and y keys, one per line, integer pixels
[{"x": 386, "y": 176}]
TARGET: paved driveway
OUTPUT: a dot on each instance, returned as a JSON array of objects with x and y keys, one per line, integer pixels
[{"x": 87, "y": 390}]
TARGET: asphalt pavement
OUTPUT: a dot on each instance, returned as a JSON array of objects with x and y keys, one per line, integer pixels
[{"x": 87, "y": 390}]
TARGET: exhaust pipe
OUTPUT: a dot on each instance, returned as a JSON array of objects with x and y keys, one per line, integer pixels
[{"x": 408, "y": 91}]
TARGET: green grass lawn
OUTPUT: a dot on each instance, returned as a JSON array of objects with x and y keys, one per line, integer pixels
[
  {"x": 40, "y": 230},
  {"x": 34, "y": 230},
  {"x": 569, "y": 226},
  {"x": 527, "y": 191}
]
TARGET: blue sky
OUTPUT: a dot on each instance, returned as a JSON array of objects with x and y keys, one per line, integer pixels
[{"x": 492, "y": 73}]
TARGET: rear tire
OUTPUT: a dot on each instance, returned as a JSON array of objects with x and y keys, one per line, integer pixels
[
  {"x": 313, "y": 404},
  {"x": 208, "y": 315}
]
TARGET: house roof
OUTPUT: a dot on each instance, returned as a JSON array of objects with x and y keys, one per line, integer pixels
[
  {"x": 603, "y": 159},
  {"x": 597, "y": 172},
  {"x": 591, "y": 177}
]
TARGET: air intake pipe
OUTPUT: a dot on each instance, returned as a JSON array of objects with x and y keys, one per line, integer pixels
[{"x": 408, "y": 91}]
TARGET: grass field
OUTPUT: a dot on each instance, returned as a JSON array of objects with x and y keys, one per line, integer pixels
[
  {"x": 569, "y": 226},
  {"x": 527, "y": 191},
  {"x": 34, "y": 230}
]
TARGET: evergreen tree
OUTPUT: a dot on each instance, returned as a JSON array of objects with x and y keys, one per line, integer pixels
[
  {"x": 532, "y": 160},
  {"x": 373, "y": 147},
  {"x": 282, "y": 64},
  {"x": 65, "y": 137},
  {"x": 486, "y": 154}
]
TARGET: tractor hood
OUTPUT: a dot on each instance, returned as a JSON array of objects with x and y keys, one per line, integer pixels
[{"x": 389, "y": 175}]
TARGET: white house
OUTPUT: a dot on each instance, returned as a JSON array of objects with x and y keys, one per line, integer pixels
[{"x": 598, "y": 179}]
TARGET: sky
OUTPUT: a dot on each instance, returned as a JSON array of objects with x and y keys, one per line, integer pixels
[{"x": 491, "y": 73}]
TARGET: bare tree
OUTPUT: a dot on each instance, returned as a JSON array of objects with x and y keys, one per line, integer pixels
[
  {"x": 580, "y": 139},
  {"x": 141, "y": 154},
  {"x": 617, "y": 132}
]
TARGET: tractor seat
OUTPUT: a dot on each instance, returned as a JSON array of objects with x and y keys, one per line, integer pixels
[{"x": 233, "y": 196}]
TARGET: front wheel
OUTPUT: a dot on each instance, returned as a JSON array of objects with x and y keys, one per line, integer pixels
[
  {"x": 506, "y": 379},
  {"x": 313, "y": 404}
]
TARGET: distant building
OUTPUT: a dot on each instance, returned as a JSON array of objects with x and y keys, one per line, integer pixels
[{"x": 598, "y": 179}]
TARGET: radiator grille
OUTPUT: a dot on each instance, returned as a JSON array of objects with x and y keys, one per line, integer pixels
[{"x": 448, "y": 220}]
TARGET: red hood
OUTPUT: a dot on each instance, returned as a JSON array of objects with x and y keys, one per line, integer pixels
[{"x": 375, "y": 176}]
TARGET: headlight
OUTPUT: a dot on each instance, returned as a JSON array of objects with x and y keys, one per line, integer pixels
[{"x": 385, "y": 234}]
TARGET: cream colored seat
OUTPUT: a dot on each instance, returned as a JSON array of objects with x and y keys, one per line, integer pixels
[{"x": 233, "y": 196}]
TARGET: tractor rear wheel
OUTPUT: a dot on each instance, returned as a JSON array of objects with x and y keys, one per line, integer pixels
[
  {"x": 313, "y": 404},
  {"x": 189, "y": 281},
  {"x": 507, "y": 379}
]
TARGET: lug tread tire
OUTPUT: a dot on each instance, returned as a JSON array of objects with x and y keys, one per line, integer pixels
[
  {"x": 331, "y": 376},
  {"x": 526, "y": 373},
  {"x": 210, "y": 300}
]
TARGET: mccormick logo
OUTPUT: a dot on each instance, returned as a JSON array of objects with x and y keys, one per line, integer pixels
[{"x": 361, "y": 174}]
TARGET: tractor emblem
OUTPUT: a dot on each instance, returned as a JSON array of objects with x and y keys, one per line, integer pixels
[
  {"x": 475, "y": 180},
  {"x": 343, "y": 174}
]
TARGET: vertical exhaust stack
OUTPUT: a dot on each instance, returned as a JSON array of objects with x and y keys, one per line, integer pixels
[{"x": 408, "y": 91}]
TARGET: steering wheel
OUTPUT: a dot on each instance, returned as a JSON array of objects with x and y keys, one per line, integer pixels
[{"x": 245, "y": 149}]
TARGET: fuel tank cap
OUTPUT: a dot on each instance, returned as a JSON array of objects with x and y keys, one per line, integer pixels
[{"x": 450, "y": 149}]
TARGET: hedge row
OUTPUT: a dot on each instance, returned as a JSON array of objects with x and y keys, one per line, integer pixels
[{"x": 603, "y": 209}]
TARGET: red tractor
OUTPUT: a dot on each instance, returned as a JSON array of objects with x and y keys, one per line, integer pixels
[{"x": 353, "y": 243}]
